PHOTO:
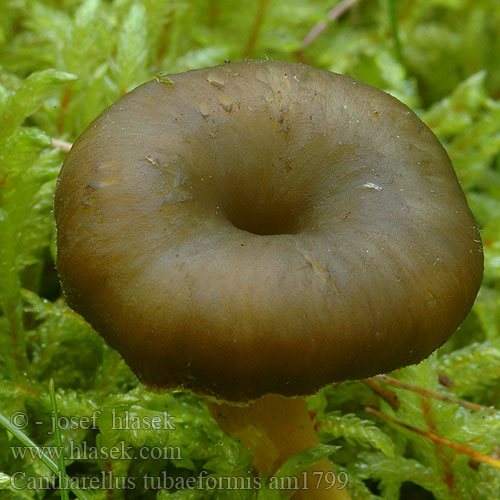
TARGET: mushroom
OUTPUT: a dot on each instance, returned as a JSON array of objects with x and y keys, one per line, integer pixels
[{"x": 255, "y": 231}]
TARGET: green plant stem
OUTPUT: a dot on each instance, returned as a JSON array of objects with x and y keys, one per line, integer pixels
[
  {"x": 43, "y": 457},
  {"x": 395, "y": 30},
  {"x": 57, "y": 432},
  {"x": 14, "y": 311}
]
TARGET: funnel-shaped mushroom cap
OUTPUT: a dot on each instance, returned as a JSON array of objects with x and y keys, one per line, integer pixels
[{"x": 264, "y": 227}]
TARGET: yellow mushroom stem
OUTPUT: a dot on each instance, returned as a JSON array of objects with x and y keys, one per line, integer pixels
[{"x": 275, "y": 428}]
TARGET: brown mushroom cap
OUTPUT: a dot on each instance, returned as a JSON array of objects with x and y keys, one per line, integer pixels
[{"x": 264, "y": 227}]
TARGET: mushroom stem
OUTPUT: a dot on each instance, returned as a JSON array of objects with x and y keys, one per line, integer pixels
[{"x": 277, "y": 427}]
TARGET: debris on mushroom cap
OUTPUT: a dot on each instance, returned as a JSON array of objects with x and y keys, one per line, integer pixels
[{"x": 264, "y": 227}]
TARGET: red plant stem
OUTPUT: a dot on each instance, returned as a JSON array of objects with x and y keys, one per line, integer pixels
[
  {"x": 429, "y": 419},
  {"x": 333, "y": 14},
  {"x": 431, "y": 394},
  {"x": 212, "y": 13},
  {"x": 163, "y": 41},
  {"x": 65, "y": 100},
  {"x": 480, "y": 457},
  {"x": 384, "y": 393}
]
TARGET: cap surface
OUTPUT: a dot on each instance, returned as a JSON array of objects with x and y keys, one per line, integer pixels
[{"x": 264, "y": 227}]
